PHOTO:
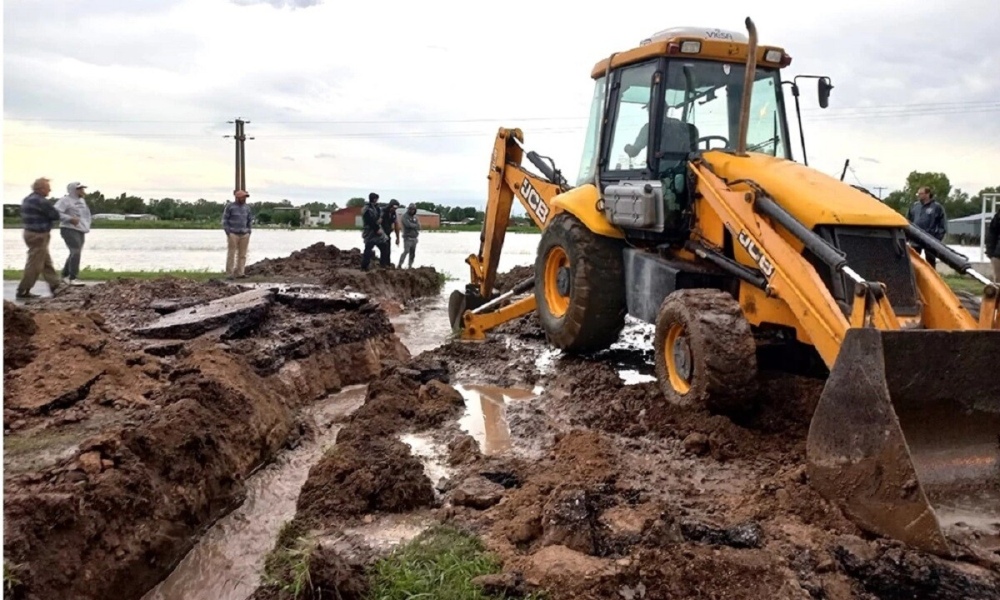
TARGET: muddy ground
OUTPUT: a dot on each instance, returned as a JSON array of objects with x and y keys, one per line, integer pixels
[
  {"x": 135, "y": 410},
  {"x": 600, "y": 490},
  {"x": 584, "y": 486}
]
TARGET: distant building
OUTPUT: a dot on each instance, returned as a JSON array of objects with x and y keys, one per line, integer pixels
[
  {"x": 309, "y": 219},
  {"x": 124, "y": 217},
  {"x": 970, "y": 227},
  {"x": 351, "y": 217}
]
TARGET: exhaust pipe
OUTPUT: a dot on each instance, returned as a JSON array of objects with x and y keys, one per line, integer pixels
[{"x": 750, "y": 75}]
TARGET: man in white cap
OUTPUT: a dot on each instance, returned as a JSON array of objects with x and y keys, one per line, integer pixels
[
  {"x": 74, "y": 225},
  {"x": 236, "y": 220}
]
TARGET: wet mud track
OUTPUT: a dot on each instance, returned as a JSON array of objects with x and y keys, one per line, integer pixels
[
  {"x": 578, "y": 475},
  {"x": 134, "y": 412}
]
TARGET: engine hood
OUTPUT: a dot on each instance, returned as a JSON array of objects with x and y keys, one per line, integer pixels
[{"x": 812, "y": 197}]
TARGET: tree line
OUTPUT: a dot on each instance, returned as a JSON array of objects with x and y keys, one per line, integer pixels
[
  {"x": 957, "y": 203},
  {"x": 265, "y": 213}
]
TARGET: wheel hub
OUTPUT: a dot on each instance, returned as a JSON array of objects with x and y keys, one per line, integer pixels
[
  {"x": 682, "y": 357},
  {"x": 562, "y": 281}
]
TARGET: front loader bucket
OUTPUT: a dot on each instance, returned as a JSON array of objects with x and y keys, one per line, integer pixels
[{"x": 906, "y": 436}]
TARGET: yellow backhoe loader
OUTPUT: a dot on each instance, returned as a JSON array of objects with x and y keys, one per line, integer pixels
[{"x": 689, "y": 213}]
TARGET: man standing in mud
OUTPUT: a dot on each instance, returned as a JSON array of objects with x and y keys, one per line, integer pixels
[
  {"x": 411, "y": 229},
  {"x": 37, "y": 215},
  {"x": 372, "y": 234},
  {"x": 236, "y": 219}
]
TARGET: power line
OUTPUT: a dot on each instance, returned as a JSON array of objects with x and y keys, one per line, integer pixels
[{"x": 833, "y": 110}]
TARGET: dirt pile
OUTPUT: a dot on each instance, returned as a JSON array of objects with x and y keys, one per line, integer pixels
[
  {"x": 75, "y": 367},
  {"x": 312, "y": 262},
  {"x": 18, "y": 328},
  {"x": 331, "y": 266},
  {"x": 122, "y": 456}
]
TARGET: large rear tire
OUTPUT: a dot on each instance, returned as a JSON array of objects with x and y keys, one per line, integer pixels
[
  {"x": 705, "y": 352},
  {"x": 579, "y": 286}
]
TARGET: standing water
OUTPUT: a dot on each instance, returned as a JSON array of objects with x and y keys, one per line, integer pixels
[{"x": 227, "y": 561}]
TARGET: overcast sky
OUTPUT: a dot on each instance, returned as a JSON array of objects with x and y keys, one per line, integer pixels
[{"x": 134, "y": 95}]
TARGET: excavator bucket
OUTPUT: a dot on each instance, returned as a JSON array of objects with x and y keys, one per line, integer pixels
[{"x": 906, "y": 437}]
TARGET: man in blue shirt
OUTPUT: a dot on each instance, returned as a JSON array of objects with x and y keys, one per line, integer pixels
[
  {"x": 236, "y": 219},
  {"x": 37, "y": 215}
]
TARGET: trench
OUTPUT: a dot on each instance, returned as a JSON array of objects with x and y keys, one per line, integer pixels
[{"x": 227, "y": 560}]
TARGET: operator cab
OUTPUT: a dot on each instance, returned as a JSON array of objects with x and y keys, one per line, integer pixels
[{"x": 679, "y": 92}]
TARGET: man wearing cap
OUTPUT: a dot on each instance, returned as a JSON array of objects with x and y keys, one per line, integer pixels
[
  {"x": 411, "y": 229},
  {"x": 74, "y": 224},
  {"x": 236, "y": 220},
  {"x": 373, "y": 235},
  {"x": 37, "y": 215}
]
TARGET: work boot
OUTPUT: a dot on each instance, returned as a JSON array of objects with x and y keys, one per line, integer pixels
[{"x": 25, "y": 295}]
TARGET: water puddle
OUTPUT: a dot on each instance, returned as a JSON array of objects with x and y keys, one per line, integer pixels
[
  {"x": 389, "y": 531},
  {"x": 431, "y": 453},
  {"x": 424, "y": 325},
  {"x": 226, "y": 562},
  {"x": 485, "y": 418}
]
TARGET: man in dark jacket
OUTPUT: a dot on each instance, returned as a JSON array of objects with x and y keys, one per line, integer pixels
[
  {"x": 927, "y": 214},
  {"x": 37, "y": 215},
  {"x": 372, "y": 234},
  {"x": 993, "y": 243}
]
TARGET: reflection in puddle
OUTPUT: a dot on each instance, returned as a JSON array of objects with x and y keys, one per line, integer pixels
[
  {"x": 432, "y": 454},
  {"x": 226, "y": 562},
  {"x": 486, "y": 419}
]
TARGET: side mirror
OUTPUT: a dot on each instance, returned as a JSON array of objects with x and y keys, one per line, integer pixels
[{"x": 824, "y": 91}]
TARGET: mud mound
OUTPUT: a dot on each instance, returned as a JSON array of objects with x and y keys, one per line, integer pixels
[
  {"x": 312, "y": 262},
  {"x": 78, "y": 365},
  {"x": 506, "y": 281},
  {"x": 367, "y": 474},
  {"x": 143, "y": 489},
  {"x": 405, "y": 397},
  {"x": 18, "y": 327},
  {"x": 330, "y": 574},
  {"x": 401, "y": 285}
]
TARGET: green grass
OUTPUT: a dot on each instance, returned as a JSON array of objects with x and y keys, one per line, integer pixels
[
  {"x": 439, "y": 563},
  {"x": 286, "y": 568},
  {"x": 961, "y": 283},
  {"x": 92, "y": 274}
]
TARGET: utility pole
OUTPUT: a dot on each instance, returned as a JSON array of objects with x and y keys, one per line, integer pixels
[
  {"x": 240, "y": 137},
  {"x": 879, "y": 188}
]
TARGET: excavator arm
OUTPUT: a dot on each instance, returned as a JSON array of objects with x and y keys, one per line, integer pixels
[
  {"x": 475, "y": 312},
  {"x": 507, "y": 180}
]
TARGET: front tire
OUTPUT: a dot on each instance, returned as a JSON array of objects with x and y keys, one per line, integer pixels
[
  {"x": 579, "y": 286},
  {"x": 705, "y": 352}
]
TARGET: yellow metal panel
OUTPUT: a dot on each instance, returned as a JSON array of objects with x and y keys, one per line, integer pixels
[
  {"x": 581, "y": 202},
  {"x": 813, "y": 197},
  {"x": 722, "y": 51}
]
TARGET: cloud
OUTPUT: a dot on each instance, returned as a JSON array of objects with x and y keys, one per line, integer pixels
[
  {"x": 383, "y": 104},
  {"x": 280, "y": 3}
]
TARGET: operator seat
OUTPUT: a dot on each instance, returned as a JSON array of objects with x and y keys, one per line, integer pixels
[{"x": 677, "y": 140}]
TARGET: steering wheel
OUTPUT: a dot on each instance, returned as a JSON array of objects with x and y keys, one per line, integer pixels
[{"x": 706, "y": 138}]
